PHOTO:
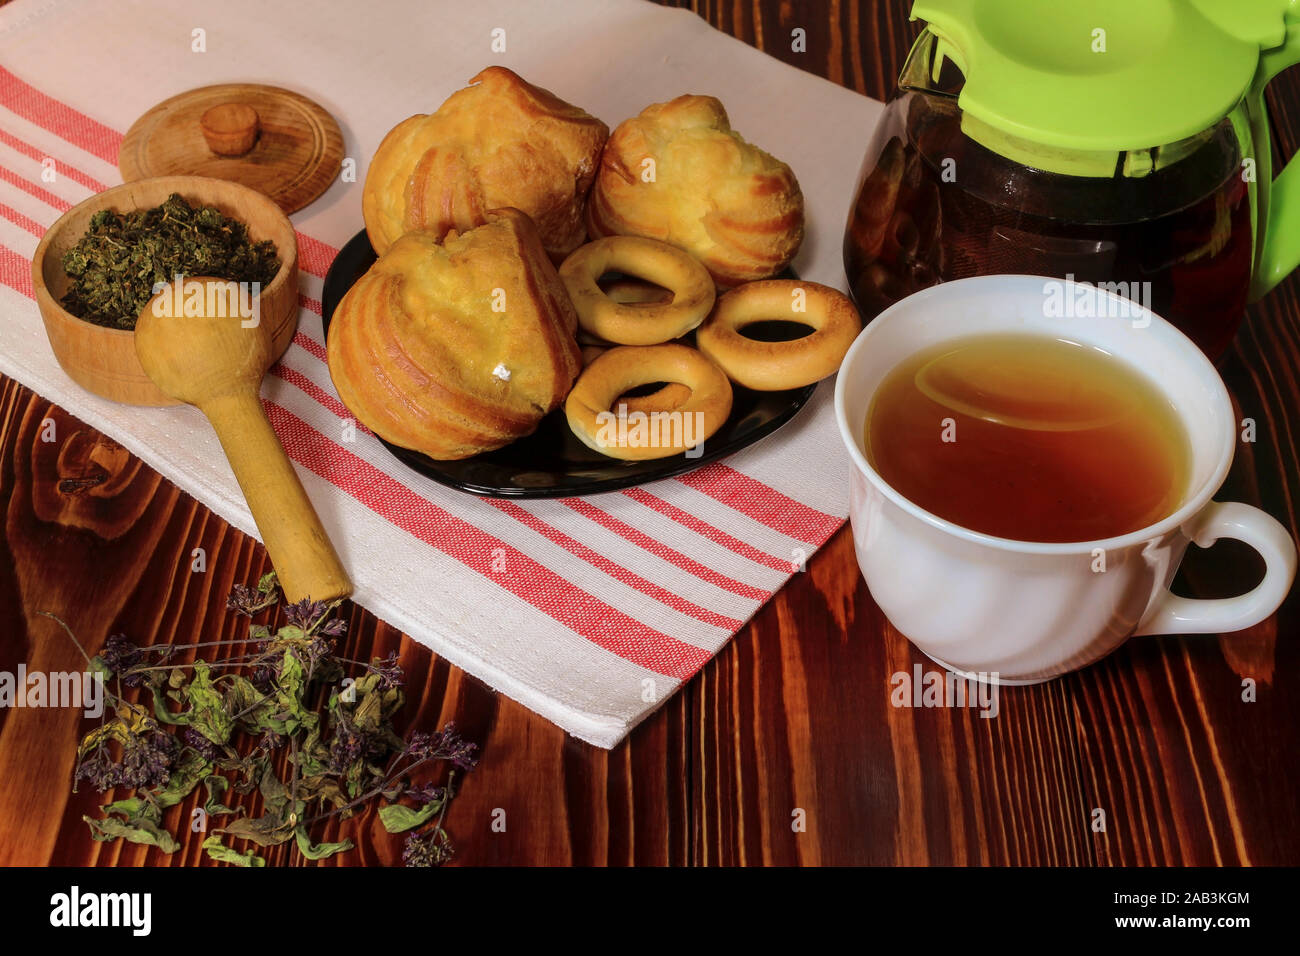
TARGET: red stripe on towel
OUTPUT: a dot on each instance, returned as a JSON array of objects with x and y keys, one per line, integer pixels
[
  {"x": 61, "y": 169},
  {"x": 706, "y": 530},
  {"x": 44, "y": 195},
  {"x": 59, "y": 118},
  {"x": 615, "y": 571},
  {"x": 661, "y": 550},
  {"x": 16, "y": 272},
  {"x": 18, "y": 219},
  {"x": 764, "y": 504}
]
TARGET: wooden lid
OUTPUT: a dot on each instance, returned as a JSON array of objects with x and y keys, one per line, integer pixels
[{"x": 267, "y": 138}]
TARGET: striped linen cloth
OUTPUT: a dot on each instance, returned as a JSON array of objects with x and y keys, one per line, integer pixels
[{"x": 590, "y": 611}]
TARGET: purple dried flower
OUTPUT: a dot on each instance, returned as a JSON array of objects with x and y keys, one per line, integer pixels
[
  {"x": 426, "y": 793},
  {"x": 346, "y": 748},
  {"x": 444, "y": 745},
  {"x": 389, "y": 671},
  {"x": 120, "y": 654},
  {"x": 430, "y": 848},
  {"x": 251, "y": 601},
  {"x": 206, "y": 748},
  {"x": 263, "y": 678},
  {"x": 305, "y": 613},
  {"x": 318, "y": 649},
  {"x": 99, "y": 769},
  {"x": 336, "y": 627},
  {"x": 147, "y": 759}
]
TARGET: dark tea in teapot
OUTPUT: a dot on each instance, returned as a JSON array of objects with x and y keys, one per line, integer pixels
[{"x": 937, "y": 205}]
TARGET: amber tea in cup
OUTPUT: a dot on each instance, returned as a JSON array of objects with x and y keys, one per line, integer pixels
[{"x": 1030, "y": 438}]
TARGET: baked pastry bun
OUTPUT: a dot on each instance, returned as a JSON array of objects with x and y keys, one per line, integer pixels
[
  {"x": 734, "y": 207},
  {"x": 457, "y": 347},
  {"x": 498, "y": 142}
]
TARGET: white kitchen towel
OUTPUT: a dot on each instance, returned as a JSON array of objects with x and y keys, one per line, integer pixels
[{"x": 589, "y": 611}]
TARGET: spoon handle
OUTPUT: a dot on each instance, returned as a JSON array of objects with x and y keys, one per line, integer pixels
[{"x": 304, "y": 559}]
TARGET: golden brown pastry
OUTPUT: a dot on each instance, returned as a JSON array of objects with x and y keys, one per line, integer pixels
[
  {"x": 498, "y": 142},
  {"x": 458, "y": 347},
  {"x": 734, "y": 207}
]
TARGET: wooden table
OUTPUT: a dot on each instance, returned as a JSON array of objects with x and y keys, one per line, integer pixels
[{"x": 793, "y": 715}]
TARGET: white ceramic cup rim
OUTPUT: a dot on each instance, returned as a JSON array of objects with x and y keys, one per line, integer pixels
[{"x": 1179, "y": 343}]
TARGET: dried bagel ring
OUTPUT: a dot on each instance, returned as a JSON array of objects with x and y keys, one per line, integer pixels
[
  {"x": 635, "y": 434},
  {"x": 638, "y": 323},
  {"x": 776, "y": 366},
  {"x": 624, "y": 292},
  {"x": 636, "y": 292}
]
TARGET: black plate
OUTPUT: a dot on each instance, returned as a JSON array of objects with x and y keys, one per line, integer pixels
[{"x": 552, "y": 462}]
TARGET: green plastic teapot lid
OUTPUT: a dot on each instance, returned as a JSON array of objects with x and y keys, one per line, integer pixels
[{"x": 1105, "y": 75}]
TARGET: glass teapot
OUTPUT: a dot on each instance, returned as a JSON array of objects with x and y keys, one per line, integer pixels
[{"x": 1115, "y": 142}]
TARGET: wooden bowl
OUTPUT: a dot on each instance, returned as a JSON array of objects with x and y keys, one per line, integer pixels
[{"x": 103, "y": 360}]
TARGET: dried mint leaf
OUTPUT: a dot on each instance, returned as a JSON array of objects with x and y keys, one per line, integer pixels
[
  {"x": 318, "y": 851},
  {"x": 116, "y": 264},
  {"x": 270, "y": 829},
  {"x": 397, "y": 818},
  {"x": 224, "y": 854},
  {"x": 207, "y": 713},
  {"x": 136, "y": 830}
]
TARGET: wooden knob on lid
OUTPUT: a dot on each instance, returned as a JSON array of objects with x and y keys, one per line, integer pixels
[{"x": 230, "y": 128}]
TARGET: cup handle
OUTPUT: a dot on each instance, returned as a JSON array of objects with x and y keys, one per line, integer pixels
[{"x": 1170, "y": 614}]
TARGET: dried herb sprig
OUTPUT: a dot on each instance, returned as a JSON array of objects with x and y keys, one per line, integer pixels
[
  {"x": 238, "y": 733},
  {"x": 116, "y": 264}
]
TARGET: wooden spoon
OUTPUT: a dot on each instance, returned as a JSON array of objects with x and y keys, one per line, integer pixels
[{"x": 216, "y": 361}]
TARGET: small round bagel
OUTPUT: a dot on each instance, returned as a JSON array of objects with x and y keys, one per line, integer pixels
[
  {"x": 776, "y": 366},
  {"x": 625, "y": 292},
  {"x": 631, "y": 431},
  {"x": 639, "y": 322}
]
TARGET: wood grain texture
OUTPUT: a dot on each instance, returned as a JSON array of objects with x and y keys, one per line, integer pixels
[
  {"x": 294, "y": 157},
  {"x": 793, "y": 715}
]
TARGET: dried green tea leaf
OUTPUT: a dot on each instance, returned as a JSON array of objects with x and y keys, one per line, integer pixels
[
  {"x": 247, "y": 705},
  {"x": 397, "y": 818},
  {"x": 134, "y": 808},
  {"x": 185, "y": 776},
  {"x": 318, "y": 851},
  {"x": 138, "y": 830},
  {"x": 160, "y": 711},
  {"x": 215, "y": 785},
  {"x": 116, "y": 264},
  {"x": 130, "y": 721},
  {"x": 275, "y": 795},
  {"x": 268, "y": 830},
  {"x": 207, "y": 713},
  {"x": 224, "y": 854}
]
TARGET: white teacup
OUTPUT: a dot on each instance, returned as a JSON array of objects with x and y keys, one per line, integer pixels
[{"x": 1020, "y": 611}]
